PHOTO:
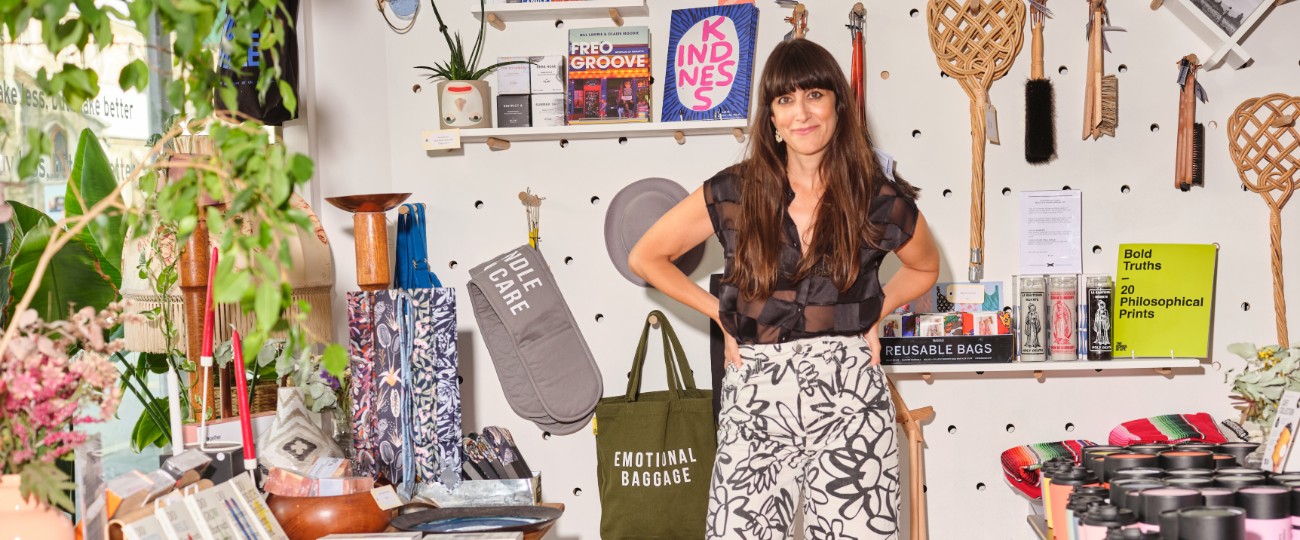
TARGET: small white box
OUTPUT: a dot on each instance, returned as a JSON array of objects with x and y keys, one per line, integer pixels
[
  {"x": 547, "y": 74},
  {"x": 548, "y": 110},
  {"x": 514, "y": 78}
]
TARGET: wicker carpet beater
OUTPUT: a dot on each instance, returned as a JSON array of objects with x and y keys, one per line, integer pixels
[
  {"x": 1265, "y": 147},
  {"x": 975, "y": 42}
]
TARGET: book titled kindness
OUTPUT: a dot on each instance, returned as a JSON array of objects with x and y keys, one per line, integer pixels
[{"x": 711, "y": 63}]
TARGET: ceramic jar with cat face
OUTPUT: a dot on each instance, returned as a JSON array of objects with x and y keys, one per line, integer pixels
[{"x": 464, "y": 104}]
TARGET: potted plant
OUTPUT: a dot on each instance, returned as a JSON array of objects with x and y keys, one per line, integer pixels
[
  {"x": 465, "y": 100},
  {"x": 1257, "y": 389}
]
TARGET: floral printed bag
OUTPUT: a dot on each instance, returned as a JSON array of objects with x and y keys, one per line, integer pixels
[{"x": 654, "y": 450}]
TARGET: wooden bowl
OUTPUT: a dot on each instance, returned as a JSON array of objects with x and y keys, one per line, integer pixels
[{"x": 309, "y": 518}]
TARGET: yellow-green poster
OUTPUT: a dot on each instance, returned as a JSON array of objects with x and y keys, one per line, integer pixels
[{"x": 1163, "y": 299}]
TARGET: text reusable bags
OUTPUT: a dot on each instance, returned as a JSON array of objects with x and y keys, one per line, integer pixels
[{"x": 654, "y": 451}]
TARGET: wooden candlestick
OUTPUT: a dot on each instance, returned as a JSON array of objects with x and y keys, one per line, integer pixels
[{"x": 371, "y": 232}]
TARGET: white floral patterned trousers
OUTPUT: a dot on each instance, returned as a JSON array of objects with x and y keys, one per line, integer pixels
[{"x": 810, "y": 416}]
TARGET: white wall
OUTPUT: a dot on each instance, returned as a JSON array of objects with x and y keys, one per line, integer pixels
[{"x": 364, "y": 121}]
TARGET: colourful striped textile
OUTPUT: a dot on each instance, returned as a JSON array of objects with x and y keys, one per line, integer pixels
[
  {"x": 1020, "y": 464},
  {"x": 1168, "y": 429}
]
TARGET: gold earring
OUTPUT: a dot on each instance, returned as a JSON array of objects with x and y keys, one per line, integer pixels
[{"x": 777, "y": 134}]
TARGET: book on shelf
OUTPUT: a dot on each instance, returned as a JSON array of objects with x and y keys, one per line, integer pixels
[
  {"x": 710, "y": 63},
  {"x": 609, "y": 75}
]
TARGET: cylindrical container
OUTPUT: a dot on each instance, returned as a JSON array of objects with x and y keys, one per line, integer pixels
[
  {"x": 1063, "y": 484},
  {"x": 1152, "y": 449},
  {"x": 1238, "y": 450},
  {"x": 1212, "y": 523},
  {"x": 1218, "y": 496},
  {"x": 1235, "y": 481},
  {"x": 1034, "y": 318},
  {"x": 1099, "y": 300},
  {"x": 1089, "y": 450},
  {"x": 1078, "y": 507},
  {"x": 1189, "y": 473},
  {"x": 1051, "y": 469},
  {"x": 1063, "y": 305},
  {"x": 1097, "y": 523},
  {"x": 1132, "y": 534},
  {"x": 1120, "y": 489},
  {"x": 1096, "y": 465},
  {"x": 1226, "y": 461},
  {"x": 1268, "y": 512},
  {"x": 1095, "y": 490},
  {"x": 1196, "y": 445},
  {"x": 1190, "y": 483},
  {"x": 1169, "y": 525},
  {"x": 1241, "y": 470},
  {"x": 1118, "y": 462},
  {"x": 1149, "y": 473},
  {"x": 1295, "y": 508},
  {"x": 1280, "y": 479},
  {"x": 1186, "y": 459},
  {"x": 1159, "y": 500}
]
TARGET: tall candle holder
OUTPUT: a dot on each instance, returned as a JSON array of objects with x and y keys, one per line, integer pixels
[{"x": 371, "y": 232}]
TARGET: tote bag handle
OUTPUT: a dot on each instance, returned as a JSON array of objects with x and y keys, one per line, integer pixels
[
  {"x": 679, "y": 372},
  {"x": 413, "y": 270}
]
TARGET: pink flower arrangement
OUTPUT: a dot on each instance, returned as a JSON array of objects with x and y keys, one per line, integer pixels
[{"x": 55, "y": 376}]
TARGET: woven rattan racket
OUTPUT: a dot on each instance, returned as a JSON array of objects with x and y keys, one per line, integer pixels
[
  {"x": 1265, "y": 147},
  {"x": 975, "y": 43}
]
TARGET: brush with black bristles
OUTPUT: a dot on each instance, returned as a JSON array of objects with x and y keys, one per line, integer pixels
[
  {"x": 1040, "y": 104},
  {"x": 1189, "y": 167}
]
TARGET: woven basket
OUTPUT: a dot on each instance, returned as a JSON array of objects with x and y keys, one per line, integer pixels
[{"x": 264, "y": 397}]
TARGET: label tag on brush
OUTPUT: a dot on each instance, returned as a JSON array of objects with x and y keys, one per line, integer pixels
[{"x": 991, "y": 123}]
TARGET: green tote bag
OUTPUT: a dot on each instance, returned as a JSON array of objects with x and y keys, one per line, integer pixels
[{"x": 654, "y": 451}]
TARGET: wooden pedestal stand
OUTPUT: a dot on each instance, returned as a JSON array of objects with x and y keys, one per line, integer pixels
[
  {"x": 911, "y": 420},
  {"x": 371, "y": 232}
]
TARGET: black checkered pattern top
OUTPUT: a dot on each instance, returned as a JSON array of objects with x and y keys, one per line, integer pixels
[{"x": 813, "y": 306}]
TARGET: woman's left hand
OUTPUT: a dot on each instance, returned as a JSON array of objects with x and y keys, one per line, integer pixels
[{"x": 873, "y": 341}]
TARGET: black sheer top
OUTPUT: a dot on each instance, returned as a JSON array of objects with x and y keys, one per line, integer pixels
[{"x": 813, "y": 306}]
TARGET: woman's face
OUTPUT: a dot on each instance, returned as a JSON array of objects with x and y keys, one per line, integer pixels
[{"x": 805, "y": 119}]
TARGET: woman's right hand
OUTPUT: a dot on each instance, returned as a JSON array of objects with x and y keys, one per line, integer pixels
[{"x": 731, "y": 350}]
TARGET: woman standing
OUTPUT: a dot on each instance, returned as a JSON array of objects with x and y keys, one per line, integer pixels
[{"x": 805, "y": 222}]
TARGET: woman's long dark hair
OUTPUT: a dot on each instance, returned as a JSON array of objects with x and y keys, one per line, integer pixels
[{"x": 849, "y": 170}]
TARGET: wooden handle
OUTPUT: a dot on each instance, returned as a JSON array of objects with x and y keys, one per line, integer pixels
[
  {"x": 371, "y": 232},
  {"x": 194, "y": 286},
  {"x": 1036, "y": 64},
  {"x": 1186, "y": 121}
]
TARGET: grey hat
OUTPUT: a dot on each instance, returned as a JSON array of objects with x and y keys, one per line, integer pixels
[{"x": 634, "y": 209}]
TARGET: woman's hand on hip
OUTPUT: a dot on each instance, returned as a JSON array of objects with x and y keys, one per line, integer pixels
[
  {"x": 873, "y": 342},
  {"x": 731, "y": 350}
]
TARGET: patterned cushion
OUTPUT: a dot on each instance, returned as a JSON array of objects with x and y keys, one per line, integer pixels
[
  {"x": 1167, "y": 429},
  {"x": 1021, "y": 463}
]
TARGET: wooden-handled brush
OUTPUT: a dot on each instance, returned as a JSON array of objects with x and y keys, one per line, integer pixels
[
  {"x": 1101, "y": 101},
  {"x": 1189, "y": 168},
  {"x": 857, "y": 32},
  {"x": 1040, "y": 103}
]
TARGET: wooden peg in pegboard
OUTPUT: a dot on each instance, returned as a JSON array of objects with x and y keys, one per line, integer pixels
[
  {"x": 615, "y": 16},
  {"x": 498, "y": 144},
  {"x": 1168, "y": 372},
  {"x": 1284, "y": 121},
  {"x": 1155, "y": 4},
  {"x": 680, "y": 137},
  {"x": 739, "y": 134},
  {"x": 1038, "y": 374},
  {"x": 496, "y": 21},
  {"x": 928, "y": 378},
  {"x": 653, "y": 320}
]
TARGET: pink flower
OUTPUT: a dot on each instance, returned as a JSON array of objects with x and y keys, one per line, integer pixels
[{"x": 23, "y": 387}]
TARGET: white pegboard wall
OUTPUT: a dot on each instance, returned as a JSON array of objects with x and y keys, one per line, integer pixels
[{"x": 363, "y": 120}]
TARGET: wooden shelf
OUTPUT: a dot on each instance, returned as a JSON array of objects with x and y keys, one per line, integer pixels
[
  {"x": 1037, "y": 367},
  {"x": 605, "y": 131},
  {"x": 550, "y": 11}
]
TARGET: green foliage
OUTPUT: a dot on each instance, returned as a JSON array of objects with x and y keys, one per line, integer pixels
[
  {"x": 73, "y": 278},
  {"x": 462, "y": 66},
  {"x": 151, "y": 430},
  {"x": 1269, "y": 372},
  {"x": 47, "y": 483},
  {"x": 89, "y": 183}
]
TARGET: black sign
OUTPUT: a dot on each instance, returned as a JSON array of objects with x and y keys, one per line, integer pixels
[{"x": 946, "y": 350}]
